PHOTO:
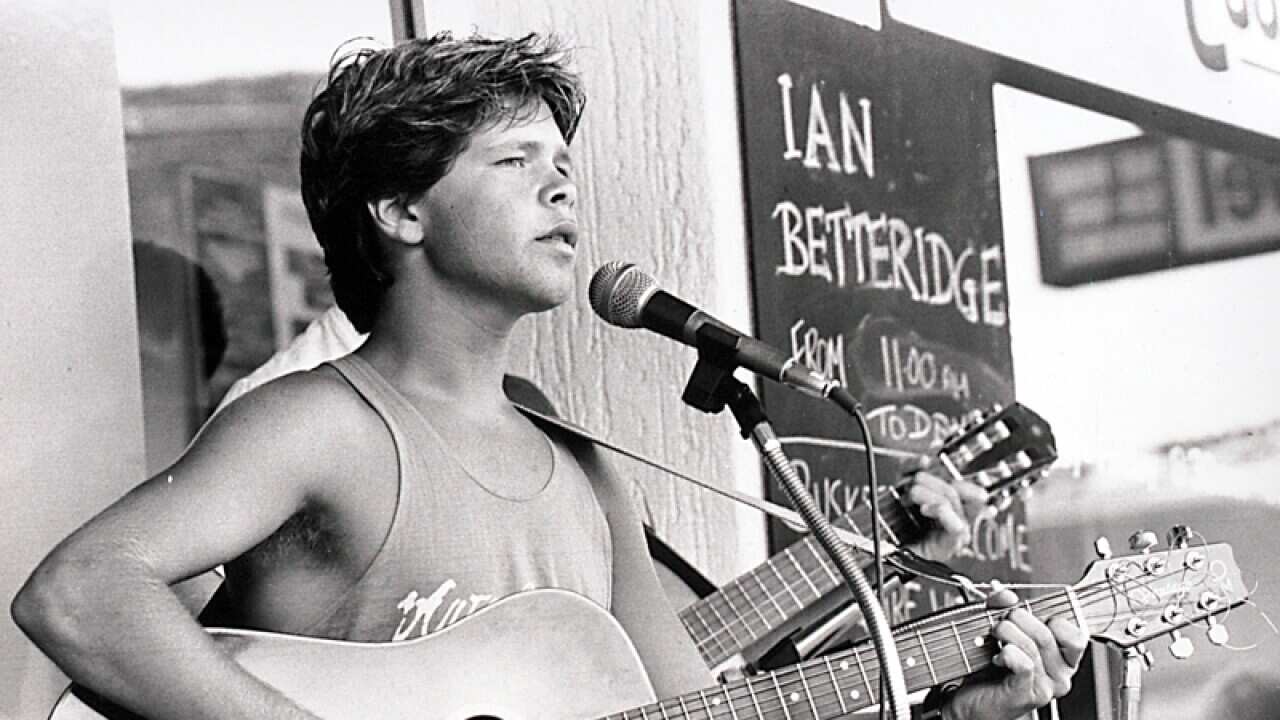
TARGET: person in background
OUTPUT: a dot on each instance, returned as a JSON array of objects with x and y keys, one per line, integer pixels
[
  {"x": 327, "y": 337},
  {"x": 363, "y": 500}
]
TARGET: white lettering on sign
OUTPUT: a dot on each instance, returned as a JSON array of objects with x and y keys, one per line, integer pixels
[
  {"x": 856, "y": 152},
  {"x": 834, "y": 496},
  {"x": 907, "y": 368},
  {"x": 1223, "y": 31},
  {"x": 883, "y": 252},
  {"x": 901, "y": 601},
  {"x": 901, "y": 424},
  {"x": 1002, "y": 538},
  {"x": 819, "y": 352}
]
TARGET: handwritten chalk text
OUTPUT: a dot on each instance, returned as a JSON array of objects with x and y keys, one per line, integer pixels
[{"x": 883, "y": 252}]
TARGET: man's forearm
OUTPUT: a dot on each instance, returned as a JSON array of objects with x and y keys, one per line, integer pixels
[{"x": 129, "y": 639}]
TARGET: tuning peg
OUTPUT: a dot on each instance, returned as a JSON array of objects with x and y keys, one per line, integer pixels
[
  {"x": 1136, "y": 626},
  {"x": 1102, "y": 547},
  {"x": 1143, "y": 541},
  {"x": 1218, "y": 634},
  {"x": 1181, "y": 647},
  {"x": 1000, "y": 431},
  {"x": 1154, "y": 564},
  {"x": 1179, "y": 536},
  {"x": 1025, "y": 489},
  {"x": 1141, "y": 652},
  {"x": 972, "y": 419},
  {"x": 1003, "y": 500}
]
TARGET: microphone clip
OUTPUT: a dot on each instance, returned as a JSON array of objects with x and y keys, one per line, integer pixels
[{"x": 711, "y": 385}]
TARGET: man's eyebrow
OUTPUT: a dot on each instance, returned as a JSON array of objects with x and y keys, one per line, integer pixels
[{"x": 561, "y": 151}]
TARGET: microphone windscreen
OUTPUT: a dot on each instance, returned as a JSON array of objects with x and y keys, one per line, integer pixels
[{"x": 617, "y": 293}]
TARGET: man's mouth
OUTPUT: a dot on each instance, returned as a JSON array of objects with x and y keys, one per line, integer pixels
[{"x": 565, "y": 232}]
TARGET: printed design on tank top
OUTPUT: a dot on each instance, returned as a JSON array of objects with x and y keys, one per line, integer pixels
[{"x": 418, "y": 611}]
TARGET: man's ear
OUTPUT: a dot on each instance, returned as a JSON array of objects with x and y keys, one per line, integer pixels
[{"x": 400, "y": 219}]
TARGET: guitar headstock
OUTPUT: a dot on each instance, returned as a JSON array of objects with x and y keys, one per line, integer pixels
[
  {"x": 1001, "y": 451},
  {"x": 1129, "y": 600}
]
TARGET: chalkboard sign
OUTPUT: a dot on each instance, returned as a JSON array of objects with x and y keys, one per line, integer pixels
[{"x": 876, "y": 254}]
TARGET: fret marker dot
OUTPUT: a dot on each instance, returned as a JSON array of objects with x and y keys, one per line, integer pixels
[
  {"x": 844, "y": 664},
  {"x": 795, "y": 697},
  {"x": 978, "y": 641},
  {"x": 911, "y": 662},
  {"x": 854, "y": 694},
  {"x": 715, "y": 701}
]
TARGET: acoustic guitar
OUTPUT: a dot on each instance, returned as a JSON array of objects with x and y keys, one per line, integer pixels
[{"x": 554, "y": 654}]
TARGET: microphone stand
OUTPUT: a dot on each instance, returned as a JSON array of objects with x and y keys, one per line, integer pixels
[
  {"x": 710, "y": 388},
  {"x": 1131, "y": 684}
]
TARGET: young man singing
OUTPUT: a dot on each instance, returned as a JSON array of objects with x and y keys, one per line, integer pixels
[{"x": 394, "y": 491}]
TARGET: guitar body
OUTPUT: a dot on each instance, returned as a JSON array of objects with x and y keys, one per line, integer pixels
[
  {"x": 554, "y": 654},
  {"x": 542, "y": 653}
]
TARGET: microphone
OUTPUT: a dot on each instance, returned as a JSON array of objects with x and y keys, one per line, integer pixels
[{"x": 624, "y": 295}]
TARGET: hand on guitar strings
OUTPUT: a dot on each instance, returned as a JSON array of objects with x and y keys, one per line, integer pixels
[
  {"x": 1040, "y": 660},
  {"x": 953, "y": 506}
]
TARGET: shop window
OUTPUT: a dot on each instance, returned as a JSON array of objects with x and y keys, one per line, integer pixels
[{"x": 227, "y": 270}]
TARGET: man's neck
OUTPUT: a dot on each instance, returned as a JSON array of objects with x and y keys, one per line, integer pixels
[{"x": 446, "y": 354}]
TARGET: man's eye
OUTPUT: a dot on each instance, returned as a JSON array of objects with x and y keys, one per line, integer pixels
[{"x": 516, "y": 161}]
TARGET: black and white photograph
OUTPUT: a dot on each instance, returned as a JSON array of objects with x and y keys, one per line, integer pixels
[{"x": 640, "y": 360}]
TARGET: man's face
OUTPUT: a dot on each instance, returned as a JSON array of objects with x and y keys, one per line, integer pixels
[{"x": 501, "y": 224}]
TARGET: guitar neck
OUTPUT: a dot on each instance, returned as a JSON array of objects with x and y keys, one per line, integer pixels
[
  {"x": 936, "y": 650},
  {"x": 757, "y": 602},
  {"x": 994, "y": 453}
]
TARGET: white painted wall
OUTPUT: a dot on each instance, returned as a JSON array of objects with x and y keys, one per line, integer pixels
[
  {"x": 661, "y": 187},
  {"x": 71, "y": 405}
]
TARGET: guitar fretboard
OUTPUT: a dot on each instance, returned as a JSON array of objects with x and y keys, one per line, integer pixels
[{"x": 937, "y": 650}]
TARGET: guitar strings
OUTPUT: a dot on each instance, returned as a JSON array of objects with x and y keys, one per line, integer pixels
[
  {"x": 944, "y": 661},
  {"x": 1129, "y": 588},
  {"x": 782, "y": 682},
  {"x": 723, "y": 648},
  {"x": 820, "y": 569}
]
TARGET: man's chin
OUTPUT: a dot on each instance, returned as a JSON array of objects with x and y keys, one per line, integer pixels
[{"x": 547, "y": 299}]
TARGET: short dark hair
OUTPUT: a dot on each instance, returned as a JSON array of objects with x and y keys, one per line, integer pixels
[{"x": 390, "y": 122}]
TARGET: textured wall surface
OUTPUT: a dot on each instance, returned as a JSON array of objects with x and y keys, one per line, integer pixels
[
  {"x": 660, "y": 187},
  {"x": 71, "y": 404}
]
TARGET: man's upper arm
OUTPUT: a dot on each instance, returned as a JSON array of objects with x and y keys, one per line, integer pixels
[{"x": 248, "y": 471}]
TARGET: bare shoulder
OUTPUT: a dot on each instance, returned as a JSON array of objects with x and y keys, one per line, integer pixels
[
  {"x": 270, "y": 455},
  {"x": 311, "y": 424}
]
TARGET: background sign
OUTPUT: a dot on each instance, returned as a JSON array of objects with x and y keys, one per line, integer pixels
[
  {"x": 1219, "y": 59},
  {"x": 1149, "y": 203},
  {"x": 876, "y": 254}
]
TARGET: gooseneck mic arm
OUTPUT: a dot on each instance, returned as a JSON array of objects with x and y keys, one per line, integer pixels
[
  {"x": 711, "y": 387},
  {"x": 623, "y": 295}
]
